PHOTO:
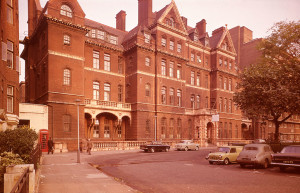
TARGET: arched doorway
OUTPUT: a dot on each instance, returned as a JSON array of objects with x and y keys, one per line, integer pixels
[{"x": 210, "y": 132}]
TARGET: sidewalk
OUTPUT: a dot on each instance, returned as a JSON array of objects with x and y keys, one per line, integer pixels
[{"x": 60, "y": 173}]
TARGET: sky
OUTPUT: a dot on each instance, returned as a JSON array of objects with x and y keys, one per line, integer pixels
[{"x": 257, "y": 15}]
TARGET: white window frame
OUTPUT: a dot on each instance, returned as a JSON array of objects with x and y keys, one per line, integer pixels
[
  {"x": 163, "y": 68},
  {"x": 10, "y": 99},
  {"x": 179, "y": 48},
  {"x": 106, "y": 92},
  {"x": 107, "y": 62},
  {"x": 100, "y": 34},
  {"x": 147, "y": 61},
  {"x": 96, "y": 59},
  {"x": 113, "y": 40},
  {"x": 67, "y": 77},
  {"x": 163, "y": 42},
  {"x": 96, "y": 90},
  {"x": 147, "y": 38},
  {"x": 67, "y": 39},
  {"x": 171, "y": 69},
  {"x": 171, "y": 45},
  {"x": 66, "y": 11},
  {"x": 192, "y": 78},
  {"x": 10, "y": 54}
]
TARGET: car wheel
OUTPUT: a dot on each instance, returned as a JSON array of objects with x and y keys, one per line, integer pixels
[
  {"x": 242, "y": 165},
  {"x": 186, "y": 149},
  {"x": 226, "y": 161},
  {"x": 152, "y": 150},
  {"x": 266, "y": 164},
  {"x": 210, "y": 162},
  {"x": 197, "y": 148}
]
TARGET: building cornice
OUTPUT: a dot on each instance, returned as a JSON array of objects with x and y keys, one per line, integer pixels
[
  {"x": 69, "y": 24},
  {"x": 103, "y": 46}
]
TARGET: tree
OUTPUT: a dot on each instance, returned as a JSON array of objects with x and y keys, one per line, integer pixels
[{"x": 270, "y": 89}]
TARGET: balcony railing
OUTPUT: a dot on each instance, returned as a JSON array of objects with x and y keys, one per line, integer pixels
[
  {"x": 107, "y": 104},
  {"x": 200, "y": 111}
]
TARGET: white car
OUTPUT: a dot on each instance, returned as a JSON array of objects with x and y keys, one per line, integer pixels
[
  {"x": 186, "y": 145},
  {"x": 255, "y": 154}
]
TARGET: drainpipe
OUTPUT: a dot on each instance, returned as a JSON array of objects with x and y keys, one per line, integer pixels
[{"x": 155, "y": 91}]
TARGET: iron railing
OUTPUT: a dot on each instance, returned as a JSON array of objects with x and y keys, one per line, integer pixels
[
  {"x": 22, "y": 186},
  {"x": 36, "y": 155}
]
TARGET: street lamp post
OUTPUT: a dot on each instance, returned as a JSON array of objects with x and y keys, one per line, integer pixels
[{"x": 78, "y": 149}]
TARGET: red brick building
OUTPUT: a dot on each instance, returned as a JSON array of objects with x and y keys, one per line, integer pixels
[
  {"x": 161, "y": 80},
  {"x": 9, "y": 64}
]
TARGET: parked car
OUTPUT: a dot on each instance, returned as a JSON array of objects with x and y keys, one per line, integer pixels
[
  {"x": 225, "y": 155},
  {"x": 259, "y": 141},
  {"x": 288, "y": 157},
  {"x": 187, "y": 145},
  {"x": 155, "y": 146},
  {"x": 255, "y": 154}
]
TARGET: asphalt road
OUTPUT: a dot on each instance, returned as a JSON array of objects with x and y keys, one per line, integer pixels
[{"x": 189, "y": 172}]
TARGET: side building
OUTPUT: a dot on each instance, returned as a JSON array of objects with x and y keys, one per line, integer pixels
[
  {"x": 9, "y": 64},
  {"x": 162, "y": 80}
]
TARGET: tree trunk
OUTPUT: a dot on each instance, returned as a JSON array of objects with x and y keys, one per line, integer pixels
[{"x": 276, "y": 135}]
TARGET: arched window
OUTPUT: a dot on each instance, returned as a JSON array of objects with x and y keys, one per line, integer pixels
[
  {"x": 179, "y": 125},
  {"x": 67, "y": 76},
  {"x": 96, "y": 90},
  {"x": 106, "y": 92},
  {"x": 171, "y": 96},
  {"x": 163, "y": 127},
  {"x": 164, "y": 95},
  {"x": 171, "y": 128},
  {"x": 66, "y": 11}
]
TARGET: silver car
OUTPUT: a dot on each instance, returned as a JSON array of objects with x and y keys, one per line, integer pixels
[
  {"x": 255, "y": 154},
  {"x": 187, "y": 145}
]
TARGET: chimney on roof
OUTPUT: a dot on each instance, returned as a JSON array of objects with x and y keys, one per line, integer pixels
[
  {"x": 201, "y": 27},
  {"x": 145, "y": 12},
  {"x": 121, "y": 20},
  {"x": 184, "y": 20}
]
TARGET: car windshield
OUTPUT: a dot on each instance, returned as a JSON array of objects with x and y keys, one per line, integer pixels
[
  {"x": 224, "y": 149},
  {"x": 251, "y": 148},
  {"x": 291, "y": 149}
]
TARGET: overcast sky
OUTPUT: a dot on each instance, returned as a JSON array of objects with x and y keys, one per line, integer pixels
[{"x": 257, "y": 15}]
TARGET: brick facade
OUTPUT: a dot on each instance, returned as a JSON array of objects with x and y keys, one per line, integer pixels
[
  {"x": 162, "y": 77},
  {"x": 9, "y": 64}
]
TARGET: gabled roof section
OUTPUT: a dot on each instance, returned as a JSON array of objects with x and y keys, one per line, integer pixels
[
  {"x": 72, "y": 3},
  {"x": 162, "y": 14},
  {"x": 219, "y": 36}
]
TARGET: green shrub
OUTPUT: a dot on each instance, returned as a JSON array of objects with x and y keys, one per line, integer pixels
[{"x": 18, "y": 141}]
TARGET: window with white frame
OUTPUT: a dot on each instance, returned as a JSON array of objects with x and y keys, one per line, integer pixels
[
  {"x": 96, "y": 59},
  {"x": 113, "y": 40},
  {"x": 171, "y": 96},
  {"x": 10, "y": 54},
  {"x": 198, "y": 58},
  {"x": 106, "y": 92},
  {"x": 96, "y": 132},
  {"x": 163, "y": 68},
  {"x": 163, "y": 127},
  {"x": 230, "y": 65},
  {"x": 198, "y": 79},
  {"x": 93, "y": 33},
  {"x": 67, "y": 40},
  {"x": 10, "y": 99},
  {"x": 164, "y": 95},
  {"x": 192, "y": 57},
  {"x": 9, "y": 12},
  {"x": 192, "y": 101},
  {"x": 178, "y": 71},
  {"x": 163, "y": 41},
  {"x": 106, "y": 62},
  {"x": 179, "y": 96},
  {"x": 171, "y": 45},
  {"x": 198, "y": 101},
  {"x": 220, "y": 61},
  {"x": 225, "y": 63},
  {"x": 96, "y": 90},
  {"x": 67, "y": 77},
  {"x": 147, "y": 61},
  {"x": 192, "y": 77},
  {"x": 147, "y": 38},
  {"x": 178, "y": 47},
  {"x": 225, "y": 83},
  {"x": 100, "y": 35},
  {"x": 230, "y": 84},
  {"x": 66, "y": 11},
  {"x": 171, "y": 69}
]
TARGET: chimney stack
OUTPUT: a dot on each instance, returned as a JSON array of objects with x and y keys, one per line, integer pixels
[
  {"x": 121, "y": 20},
  {"x": 145, "y": 12},
  {"x": 201, "y": 27}
]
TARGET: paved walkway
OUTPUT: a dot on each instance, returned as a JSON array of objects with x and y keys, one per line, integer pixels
[{"x": 60, "y": 173}]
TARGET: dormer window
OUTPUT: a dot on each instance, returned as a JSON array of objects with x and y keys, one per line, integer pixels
[
  {"x": 172, "y": 23},
  {"x": 113, "y": 40},
  {"x": 66, "y": 11},
  {"x": 147, "y": 38},
  {"x": 100, "y": 35}
]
